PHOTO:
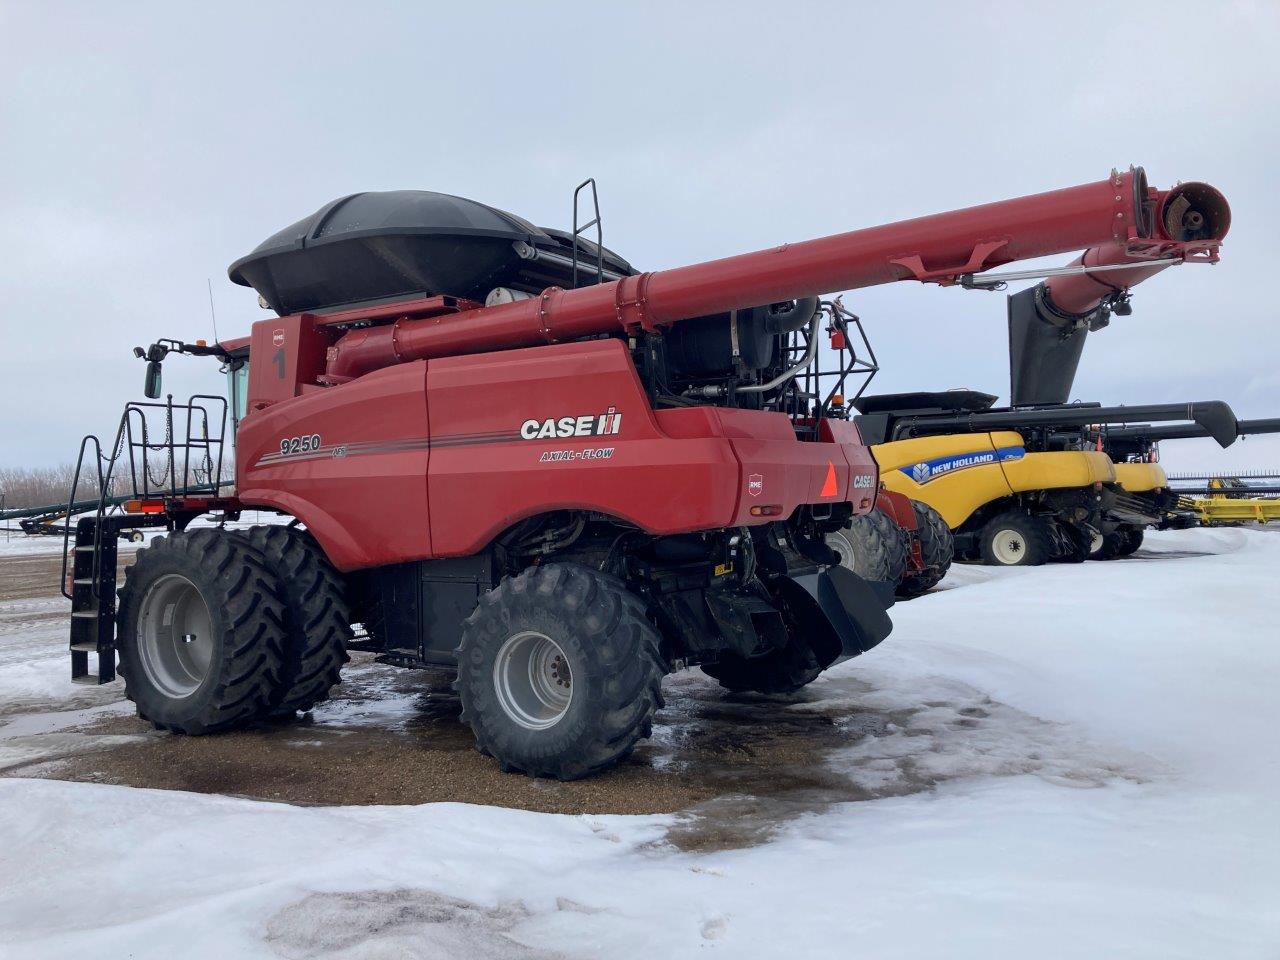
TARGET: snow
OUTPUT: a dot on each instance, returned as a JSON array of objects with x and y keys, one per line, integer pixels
[{"x": 1080, "y": 761}]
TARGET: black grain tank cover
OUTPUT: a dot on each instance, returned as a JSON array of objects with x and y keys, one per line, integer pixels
[
  {"x": 402, "y": 243},
  {"x": 952, "y": 401}
]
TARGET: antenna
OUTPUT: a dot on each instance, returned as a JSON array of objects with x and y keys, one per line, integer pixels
[{"x": 212, "y": 313}]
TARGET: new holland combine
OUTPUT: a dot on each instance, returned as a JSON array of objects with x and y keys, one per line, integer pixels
[
  {"x": 508, "y": 453},
  {"x": 1134, "y": 449},
  {"x": 1019, "y": 486}
]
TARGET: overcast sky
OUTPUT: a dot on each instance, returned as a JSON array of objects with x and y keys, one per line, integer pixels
[{"x": 143, "y": 147}]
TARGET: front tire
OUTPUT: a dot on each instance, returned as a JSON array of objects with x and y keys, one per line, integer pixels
[
  {"x": 201, "y": 632},
  {"x": 1015, "y": 538},
  {"x": 559, "y": 672}
]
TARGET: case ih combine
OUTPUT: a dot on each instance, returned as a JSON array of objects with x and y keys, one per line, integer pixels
[{"x": 510, "y": 454}]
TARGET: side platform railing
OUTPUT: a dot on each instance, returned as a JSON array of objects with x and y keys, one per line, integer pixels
[{"x": 163, "y": 452}]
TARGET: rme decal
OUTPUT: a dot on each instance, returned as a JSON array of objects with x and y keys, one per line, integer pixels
[
  {"x": 588, "y": 425},
  {"x": 927, "y": 470}
]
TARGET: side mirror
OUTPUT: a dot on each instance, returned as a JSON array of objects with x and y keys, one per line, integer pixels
[{"x": 151, "y": 386}]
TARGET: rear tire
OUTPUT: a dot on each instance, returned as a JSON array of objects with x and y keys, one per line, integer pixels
[
  {"x": 317, "y": 620},
  {"x": 1111, "y": 545},
  {"x": 1132, "y": 541},
  {"x": 937, "y": 550},
  {"x": 1078, "y": 544},
  {"x": 559, "y": 672},
  {"x": 1016, "y": 539},
  {"x": 201, "y": 632},
  {"x": 873, "y": 546}
]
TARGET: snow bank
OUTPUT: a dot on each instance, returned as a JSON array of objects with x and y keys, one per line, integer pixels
[{"x": 1117, "y": 799}]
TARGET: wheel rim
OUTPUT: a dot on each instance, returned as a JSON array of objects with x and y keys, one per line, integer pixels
[
  {"x": 1009, "y": 547},
  {"x": 532, "y": 679},
  {"x": 175, "y": 636},
  {"x": 1095, "y": 543},
  {"x": 841, "y": 544}
]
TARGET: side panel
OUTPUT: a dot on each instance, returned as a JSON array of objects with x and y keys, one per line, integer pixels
[
  {"x": 522, "y": 432},
  {"x": 569, "y": 426},
  {"x": 779, "y": 470},
  {"x": 288, "y": 354},
  {"x": 1058, "y": 470},
  {"x": 955, "y": 474},
  {"x": 357, "y": 476},
  {"x": 1141, "y": 477}
]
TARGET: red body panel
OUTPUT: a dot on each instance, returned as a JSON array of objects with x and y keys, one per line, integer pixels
[
  {"x": 363, "y": 492},
  {"x": 427, "y": 459}
]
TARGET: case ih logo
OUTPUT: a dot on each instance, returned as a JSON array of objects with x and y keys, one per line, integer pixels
[
  {"x": 588, "y": 425},
  {"x": 277, "y": 338},
  {"x": 755, "y": 484}
]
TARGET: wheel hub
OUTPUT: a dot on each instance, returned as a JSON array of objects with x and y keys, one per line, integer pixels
[
  {"x": 1009, "y": 547},
  {"x": 840, "y": 543},
  {"x": 175, "y": 636},
  {"x": 533, "y": 680}
]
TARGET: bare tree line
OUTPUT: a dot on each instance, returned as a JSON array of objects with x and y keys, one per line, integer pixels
[
  {"x": 35, "y": 486},
  {"x": 46, "y": 486}
]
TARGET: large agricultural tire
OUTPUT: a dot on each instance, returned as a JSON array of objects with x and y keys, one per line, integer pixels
[
  {"x": 1015, "y": 538},
  {"x": 201, "y": 632},
  {"x": 873, "y": 546},
  {"x": 1078, "y": 544},
  {"x": 1108, "y": 546},
  {"x": 937, "y": 550},
  {"x": 559, "y": 672},
  {"x": 317, "y": 619},
  {"x": 1132, "y": 541}
]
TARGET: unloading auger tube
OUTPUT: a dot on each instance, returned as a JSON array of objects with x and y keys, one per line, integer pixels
[
  {"x": 1120, "y": 217},
  {"x": 1048, "y": 323},
  {"x": 1214, "y": 417},
  {"x": 1185, "y": 431}
]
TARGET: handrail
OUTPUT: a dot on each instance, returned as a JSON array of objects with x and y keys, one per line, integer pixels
[{"x": 133, "y": 436}]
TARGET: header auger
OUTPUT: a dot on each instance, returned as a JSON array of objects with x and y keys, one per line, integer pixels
[{"x": 510, "y": 454}]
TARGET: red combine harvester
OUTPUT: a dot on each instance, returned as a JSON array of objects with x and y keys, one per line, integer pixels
[{"x": 507, "y": 452}]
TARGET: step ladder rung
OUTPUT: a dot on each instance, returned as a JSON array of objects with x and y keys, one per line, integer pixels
[
  {"x": 89, "y": 679},
  {"x": 84, "y": 614},
  {"x": 85, "y": 646},
  {"x": 82, "y": 581},
  {"x": 85, "y": 548}
]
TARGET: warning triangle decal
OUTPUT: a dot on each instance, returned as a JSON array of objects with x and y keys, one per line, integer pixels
[{"x": 830, "y": 488}]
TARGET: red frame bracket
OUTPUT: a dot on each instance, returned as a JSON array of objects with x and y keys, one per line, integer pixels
[{"x": 947, "y": 276}]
